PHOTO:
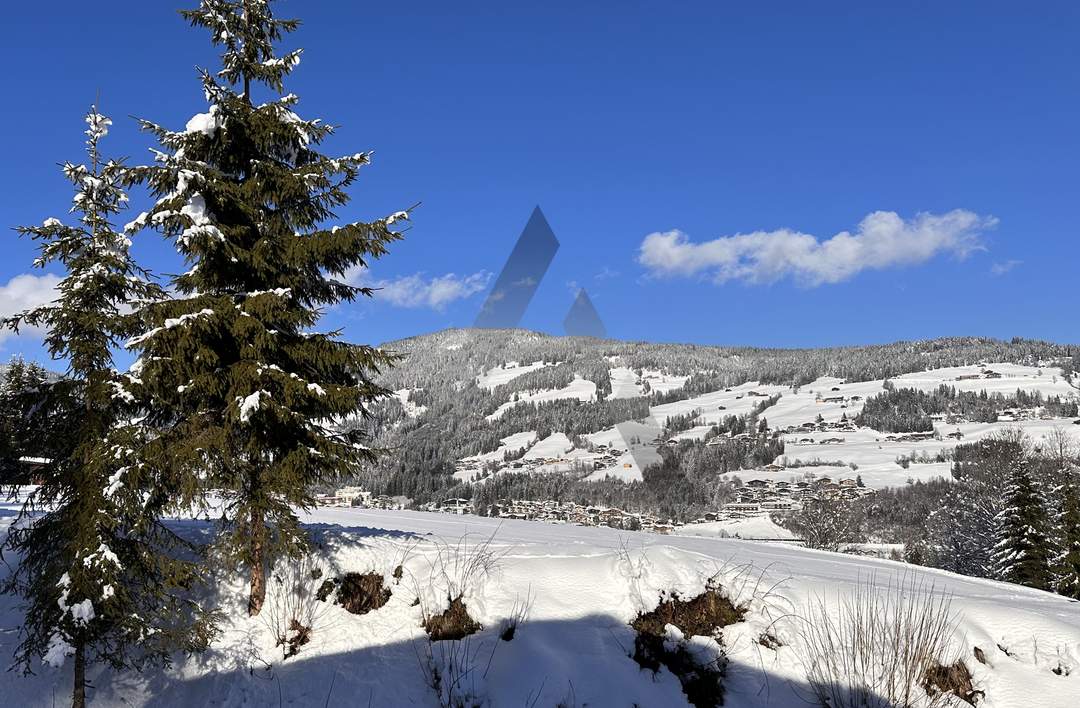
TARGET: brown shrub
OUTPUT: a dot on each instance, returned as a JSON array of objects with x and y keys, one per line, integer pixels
[
  {"x": 291, "y": 612},
  {"x": 452, "y": 623},
  {"x": 699, "y": 616},
  {"x": 769, "y": 641},
  {"x": 954, "y": 678},
  {"x": 359, "y": 593},
  {"x": 703, "y": 615},
  {"x": 298, "y": 636},
  {"x": 872, "y": 647}
]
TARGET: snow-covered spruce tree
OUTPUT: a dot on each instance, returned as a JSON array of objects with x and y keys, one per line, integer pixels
[
  {"x": 961, "y": 535},
  {"x": 92, "y": 568},
  {"x": 243, "y": 392},
  {"x": 1022, "y": 554},
  {"x": 1067, "y": 563}
]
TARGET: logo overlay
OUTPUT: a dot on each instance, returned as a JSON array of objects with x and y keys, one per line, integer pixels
[{"x": 520, "y": 277}]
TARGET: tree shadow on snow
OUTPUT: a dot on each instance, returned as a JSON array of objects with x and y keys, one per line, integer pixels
[{"x": 574, "y": 663}]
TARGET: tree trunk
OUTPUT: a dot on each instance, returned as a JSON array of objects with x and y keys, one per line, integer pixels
[
  {"x": 78, "y": 695},
  {"x": 258, "y": 564}
]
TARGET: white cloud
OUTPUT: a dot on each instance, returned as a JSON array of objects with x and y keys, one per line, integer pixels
[
  {"x": 24, "y": 292},
  {"x": 882, "y": 240},
  {"x": 1004, "y": 267},
  {"x": 419, "y": 291}
]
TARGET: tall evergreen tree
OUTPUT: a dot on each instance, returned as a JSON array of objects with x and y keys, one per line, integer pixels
[
  {"x": 93, "y": 572},
  {"x": 1022, "y": 553},
  {"x": 243, "y": 392},
  {"x": 1067, "y": 562}
]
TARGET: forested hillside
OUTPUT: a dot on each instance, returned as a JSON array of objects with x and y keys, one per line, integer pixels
[{"x": 460, "y": 393}]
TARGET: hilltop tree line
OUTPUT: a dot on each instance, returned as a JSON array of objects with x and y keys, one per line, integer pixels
[{"x": 230, "y": 407}]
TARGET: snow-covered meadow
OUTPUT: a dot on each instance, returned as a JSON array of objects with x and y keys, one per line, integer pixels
[
  {"x": 869, "y": 453},
  {"x": 580, "y": 587}
]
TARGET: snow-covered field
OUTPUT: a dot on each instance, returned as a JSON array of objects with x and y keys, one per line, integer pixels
[
  {"x": 625, "y": 383},
  {"x": 507, "y": 373},
  {"x": 580, "y": 389},
  {"x": 582, "y": 587},
  {"x": 411, "y": 409},
  {"x": 760, "y": 527}
]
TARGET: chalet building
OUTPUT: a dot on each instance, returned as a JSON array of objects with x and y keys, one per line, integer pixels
[{"x": 456, "y": 506}]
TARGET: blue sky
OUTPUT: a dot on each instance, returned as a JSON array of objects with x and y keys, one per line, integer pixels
[{"x": 651, "y": 134}]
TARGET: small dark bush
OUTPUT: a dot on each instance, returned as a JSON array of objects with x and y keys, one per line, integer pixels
[
  {"x": 699, "y": 616},
  {"x": 298, "y": 636},
  {"x": 453, "y": 623},
  {"x": 954, "y": 678},
  {"x": 769, "y": 641},
  {"x": 359, "y": 593},
  {"x": 703, "y": 615},
  {"x": 326, "y": 589}
]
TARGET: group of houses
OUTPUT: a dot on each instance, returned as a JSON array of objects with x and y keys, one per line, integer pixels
[
  {"x": 1012, "y": 415},
  {"x": 756, "y": 497},
  {"x": 844, "y": 425},
  {"x": 358, "y": 496},
  {"x": 983, "y": 374},
  {"x": 557, "y": 512},
  {"x": 582, "y": 461},
  {"x": 768, "y": 496}
]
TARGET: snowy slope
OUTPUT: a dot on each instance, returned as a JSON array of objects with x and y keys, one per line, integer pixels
[
  {"x": 624, "y": 383},
  {"x": 873, "y": 455},
  {"x": 632, "y": 443},
  {"x": 755, "y": 528},
  {"x": 507, "y": 373},
  {"x": 716, "y": 406},
  {"x": 580, "y": 389},
  {"x": 584, "y": 586},
  {"x": 553, "y": 446},
  {"x": 411, "y": 409}
]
